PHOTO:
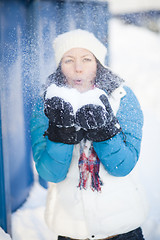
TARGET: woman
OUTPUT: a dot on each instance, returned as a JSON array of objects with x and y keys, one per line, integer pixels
[{"x": 86, "y": 142}]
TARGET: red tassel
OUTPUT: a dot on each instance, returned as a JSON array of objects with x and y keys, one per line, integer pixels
[{"x": 90, "y": 166}]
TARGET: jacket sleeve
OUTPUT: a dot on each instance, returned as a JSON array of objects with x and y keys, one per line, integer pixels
[
  {"x": 52, "y": 159},
  {"x": 120, "y": 154}
]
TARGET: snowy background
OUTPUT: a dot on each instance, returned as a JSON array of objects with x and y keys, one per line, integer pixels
[{"x": 135, "y": 56}]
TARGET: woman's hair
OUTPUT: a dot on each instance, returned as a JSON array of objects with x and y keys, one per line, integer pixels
[
  {"x": 105, "y": 78},
  {"x": 57, "y": 78}
]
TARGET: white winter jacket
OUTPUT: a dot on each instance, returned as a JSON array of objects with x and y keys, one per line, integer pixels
[{"x": 119, "y": 208}]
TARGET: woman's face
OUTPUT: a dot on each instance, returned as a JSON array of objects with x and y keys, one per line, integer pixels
[{"x": 79, "y": 67}]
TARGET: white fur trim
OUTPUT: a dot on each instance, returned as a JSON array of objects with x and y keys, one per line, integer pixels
[
  {"x": 78, "y": 39},
  {"x": 115, "y": 98}
]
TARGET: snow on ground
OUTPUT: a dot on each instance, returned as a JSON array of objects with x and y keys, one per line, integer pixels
[
  {"x": 3, "y": 235},
  {"x": 135, "y": 56},
  {"x": 28, "y": 222}
]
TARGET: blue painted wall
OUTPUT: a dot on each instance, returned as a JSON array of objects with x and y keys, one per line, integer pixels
[
  {"x": 27, "y": 32},
  {"x": 15, "y": 99}
]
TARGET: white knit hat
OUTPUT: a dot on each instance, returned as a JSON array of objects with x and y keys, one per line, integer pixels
[{"x": 78, "y": 39}]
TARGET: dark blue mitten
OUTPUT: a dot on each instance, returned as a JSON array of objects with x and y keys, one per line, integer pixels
[
  {"x": 68, "y": 135},
  {"x": 61, "y": 121},
  {"x": 100, "y": 123},
  {"x": 59, "y": 112}
]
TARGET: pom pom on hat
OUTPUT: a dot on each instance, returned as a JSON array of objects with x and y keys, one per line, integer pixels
[{"x": 78, "y": 39}]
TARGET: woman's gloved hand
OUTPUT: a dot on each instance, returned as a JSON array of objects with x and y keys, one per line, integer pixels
[
  {"x": 59, "y": 112},
  {"x": 68, "y": 135},
  {"x": 61, "y": 118},
  {"x": 100, "y": 123}
]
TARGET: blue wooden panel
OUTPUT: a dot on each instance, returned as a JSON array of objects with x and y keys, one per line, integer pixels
[
  {"x": 14, "y": 100},
  {"x": 28, "y": 28},
  {"x": 5, "y": 208}
]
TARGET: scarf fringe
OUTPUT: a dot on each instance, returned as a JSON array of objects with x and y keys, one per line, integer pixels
[{"x": 89, "y": 166}]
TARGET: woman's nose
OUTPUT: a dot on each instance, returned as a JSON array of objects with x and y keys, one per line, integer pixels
[{"x": 78, "y": 66}]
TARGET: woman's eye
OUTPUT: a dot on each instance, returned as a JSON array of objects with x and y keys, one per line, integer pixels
[
  {"x": 87, "y": 59},
  {"x": 68, "y": 60}
]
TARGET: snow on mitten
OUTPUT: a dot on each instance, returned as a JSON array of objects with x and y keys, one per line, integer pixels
[
  {"x": 91, "y": 116},
  {"x": 57, "y": 109},
  {"x": 111, "y": 127},
  {"x": 92, "y": 113},
  {"x": 98, "y": 119}
]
